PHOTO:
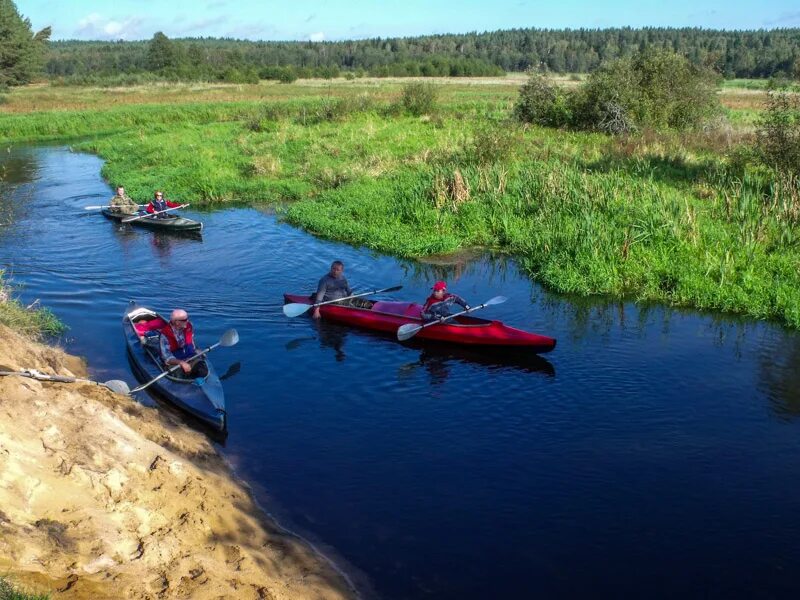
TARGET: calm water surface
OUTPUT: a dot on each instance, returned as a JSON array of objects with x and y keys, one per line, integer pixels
[{"x": 653, "y": 453}]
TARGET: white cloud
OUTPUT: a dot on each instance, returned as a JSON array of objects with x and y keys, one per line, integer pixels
[
  {"x": 95, "y": 26},
  {"x": 316, "y": 37}
]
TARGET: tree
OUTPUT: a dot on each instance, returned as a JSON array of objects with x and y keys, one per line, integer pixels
[
  {"x": 160, "y": 53},
  {"x": 21, "y": 52}
]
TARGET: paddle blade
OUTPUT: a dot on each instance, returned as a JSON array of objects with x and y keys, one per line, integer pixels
[
  {"x": 393, "y": 289},
  {"x": 407, "y": 331},
  {"x": 295, "y": 309},
  {"x": 118, "y": 386},
  {"x": 495, "y": 300},
  {"x": 229, "y": 338}
]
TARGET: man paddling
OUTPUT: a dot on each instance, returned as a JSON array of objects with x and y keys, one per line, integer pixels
[
  {"x": 332, "y": 286},
  {"x": 158, "y": 205},
  {"x": 122, "y": 203},
  {"x": 177, "y": 345},
  {"x": 438, "y": 304}
]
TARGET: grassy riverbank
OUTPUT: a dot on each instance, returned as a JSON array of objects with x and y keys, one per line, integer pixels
[
  {"x": 680, "y": 219},
  {"x": 32, "y": 321}
]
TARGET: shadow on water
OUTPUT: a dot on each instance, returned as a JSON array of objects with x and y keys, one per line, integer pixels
[{"x": 232, "y": 371}]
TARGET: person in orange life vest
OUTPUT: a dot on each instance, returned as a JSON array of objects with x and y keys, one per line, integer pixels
[
  {"x": 158, "y": 204},
  {"x": 177, "y": 345},
  {"x": 439, "y": 302}
]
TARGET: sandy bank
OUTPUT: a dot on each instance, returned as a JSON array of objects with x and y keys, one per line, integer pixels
[{"x": 101, "y": 497}]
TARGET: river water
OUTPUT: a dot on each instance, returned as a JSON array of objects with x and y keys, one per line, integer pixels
[{"x": 655, "y": 452}]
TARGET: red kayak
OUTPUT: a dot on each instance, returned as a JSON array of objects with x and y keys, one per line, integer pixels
[{"x": 464, "y": 330}]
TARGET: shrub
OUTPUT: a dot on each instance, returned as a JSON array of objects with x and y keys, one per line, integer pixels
[
  {"x": 778, "y": 133},
  {"x": 654, "y": 89},
  {"x": 419, "y": 98},
  {"x": 492, "y": 144},
  {"x": 542, "y": 103}
]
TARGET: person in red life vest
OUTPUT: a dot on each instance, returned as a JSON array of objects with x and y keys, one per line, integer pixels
[
  {"x": 177, "y": 345},
  {"x": 438, "y": 304},
  {"x": 158, "y": 204}
]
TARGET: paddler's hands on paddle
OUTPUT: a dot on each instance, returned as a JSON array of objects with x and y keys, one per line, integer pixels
[
  {"x": 184, "y": 365},
  {"x": 316, "y": 313}
]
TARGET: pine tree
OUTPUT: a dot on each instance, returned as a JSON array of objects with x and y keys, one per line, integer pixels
[{"x": 21, "y": 52}]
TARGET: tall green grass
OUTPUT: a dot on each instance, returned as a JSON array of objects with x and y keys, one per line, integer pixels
[{"x": 658, "y": 217}]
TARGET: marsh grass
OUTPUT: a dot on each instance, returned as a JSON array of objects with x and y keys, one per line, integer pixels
[{"x": 684, "y": 219}]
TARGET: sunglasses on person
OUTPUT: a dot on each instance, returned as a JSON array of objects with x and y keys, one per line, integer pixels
[{"x": 180, "y": 320}]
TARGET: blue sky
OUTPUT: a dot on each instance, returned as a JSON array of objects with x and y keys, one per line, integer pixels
[{"x": 356, "y": 19}]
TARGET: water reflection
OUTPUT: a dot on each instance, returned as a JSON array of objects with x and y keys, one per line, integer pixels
[
  {"x": 779, "y": 379},
  {"x": 438, "y": 360},
  {"x": 16, "y": 170},
  {"x": 494, "y": 269},
  {"x": 332, "y": 336}
]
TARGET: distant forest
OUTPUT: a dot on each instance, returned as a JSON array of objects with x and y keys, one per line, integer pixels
[{"x": 745, "y": 54}]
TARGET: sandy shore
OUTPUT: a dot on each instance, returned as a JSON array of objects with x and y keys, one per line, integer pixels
[{"x": 101, "y": 497}]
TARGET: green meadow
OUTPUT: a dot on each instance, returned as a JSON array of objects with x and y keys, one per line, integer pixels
[{"x": 685, "y": 219}]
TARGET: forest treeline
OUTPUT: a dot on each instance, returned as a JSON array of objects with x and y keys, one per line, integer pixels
[{"x": 746, "y": 54}]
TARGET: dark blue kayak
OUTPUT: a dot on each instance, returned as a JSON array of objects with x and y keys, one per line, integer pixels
[
  {"x": 202, "y": 398},
  {"x": 167, "y": 222}
]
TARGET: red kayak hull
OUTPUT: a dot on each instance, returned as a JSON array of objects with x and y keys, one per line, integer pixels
[{"x": 464, "y": 330}]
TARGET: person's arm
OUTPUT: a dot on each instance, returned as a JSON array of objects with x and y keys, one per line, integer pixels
[
  {"x": 166, "y": 353},
  {"x": 150, "y": 208},
  {"x": 347, "y": 288},
  {"x": 321, "y": 287},
  {"x": 169, "y": 358},
  {"x": 172, "y": 204},
  {"x": 459, "y": 300}
]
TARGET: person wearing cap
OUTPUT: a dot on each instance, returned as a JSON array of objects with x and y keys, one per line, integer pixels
[
  {"x": 332, "y": 286},
  {"x": 158, "y": 205},
  {"x": 177, "y": 345},
  {"x": 438, "y": 304}
]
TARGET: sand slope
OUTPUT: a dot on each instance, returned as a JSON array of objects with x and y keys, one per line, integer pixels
[{"x": 103, "y": 498}]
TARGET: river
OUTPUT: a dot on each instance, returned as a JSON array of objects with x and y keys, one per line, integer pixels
[{"x": 655, "y": 452}]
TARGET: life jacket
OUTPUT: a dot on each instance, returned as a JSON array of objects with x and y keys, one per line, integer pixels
[
  {"x": 167, "y": 332},
  {"x": 160, "y": 205},
  {"x": 432, "y": 299}
]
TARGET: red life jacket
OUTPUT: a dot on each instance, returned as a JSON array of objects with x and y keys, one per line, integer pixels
[
  {"x": 173, "y": 341},
  {"x": 432, "y": 299}
]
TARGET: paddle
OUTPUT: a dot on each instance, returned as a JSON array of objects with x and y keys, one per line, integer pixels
[
  {"x": 295, "y": 309},
  {"x": 132, "y": 219},
  {"x": 409, "y": 330},
  {"x": 229, "y": 338},
  {"x": 115, "y": 385},
  {"x": 96, "y": 207}
]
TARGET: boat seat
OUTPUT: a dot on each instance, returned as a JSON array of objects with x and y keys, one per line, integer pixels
[
  {"x": 153, "y": 325},
  {"x": 405, "y": 309}
]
